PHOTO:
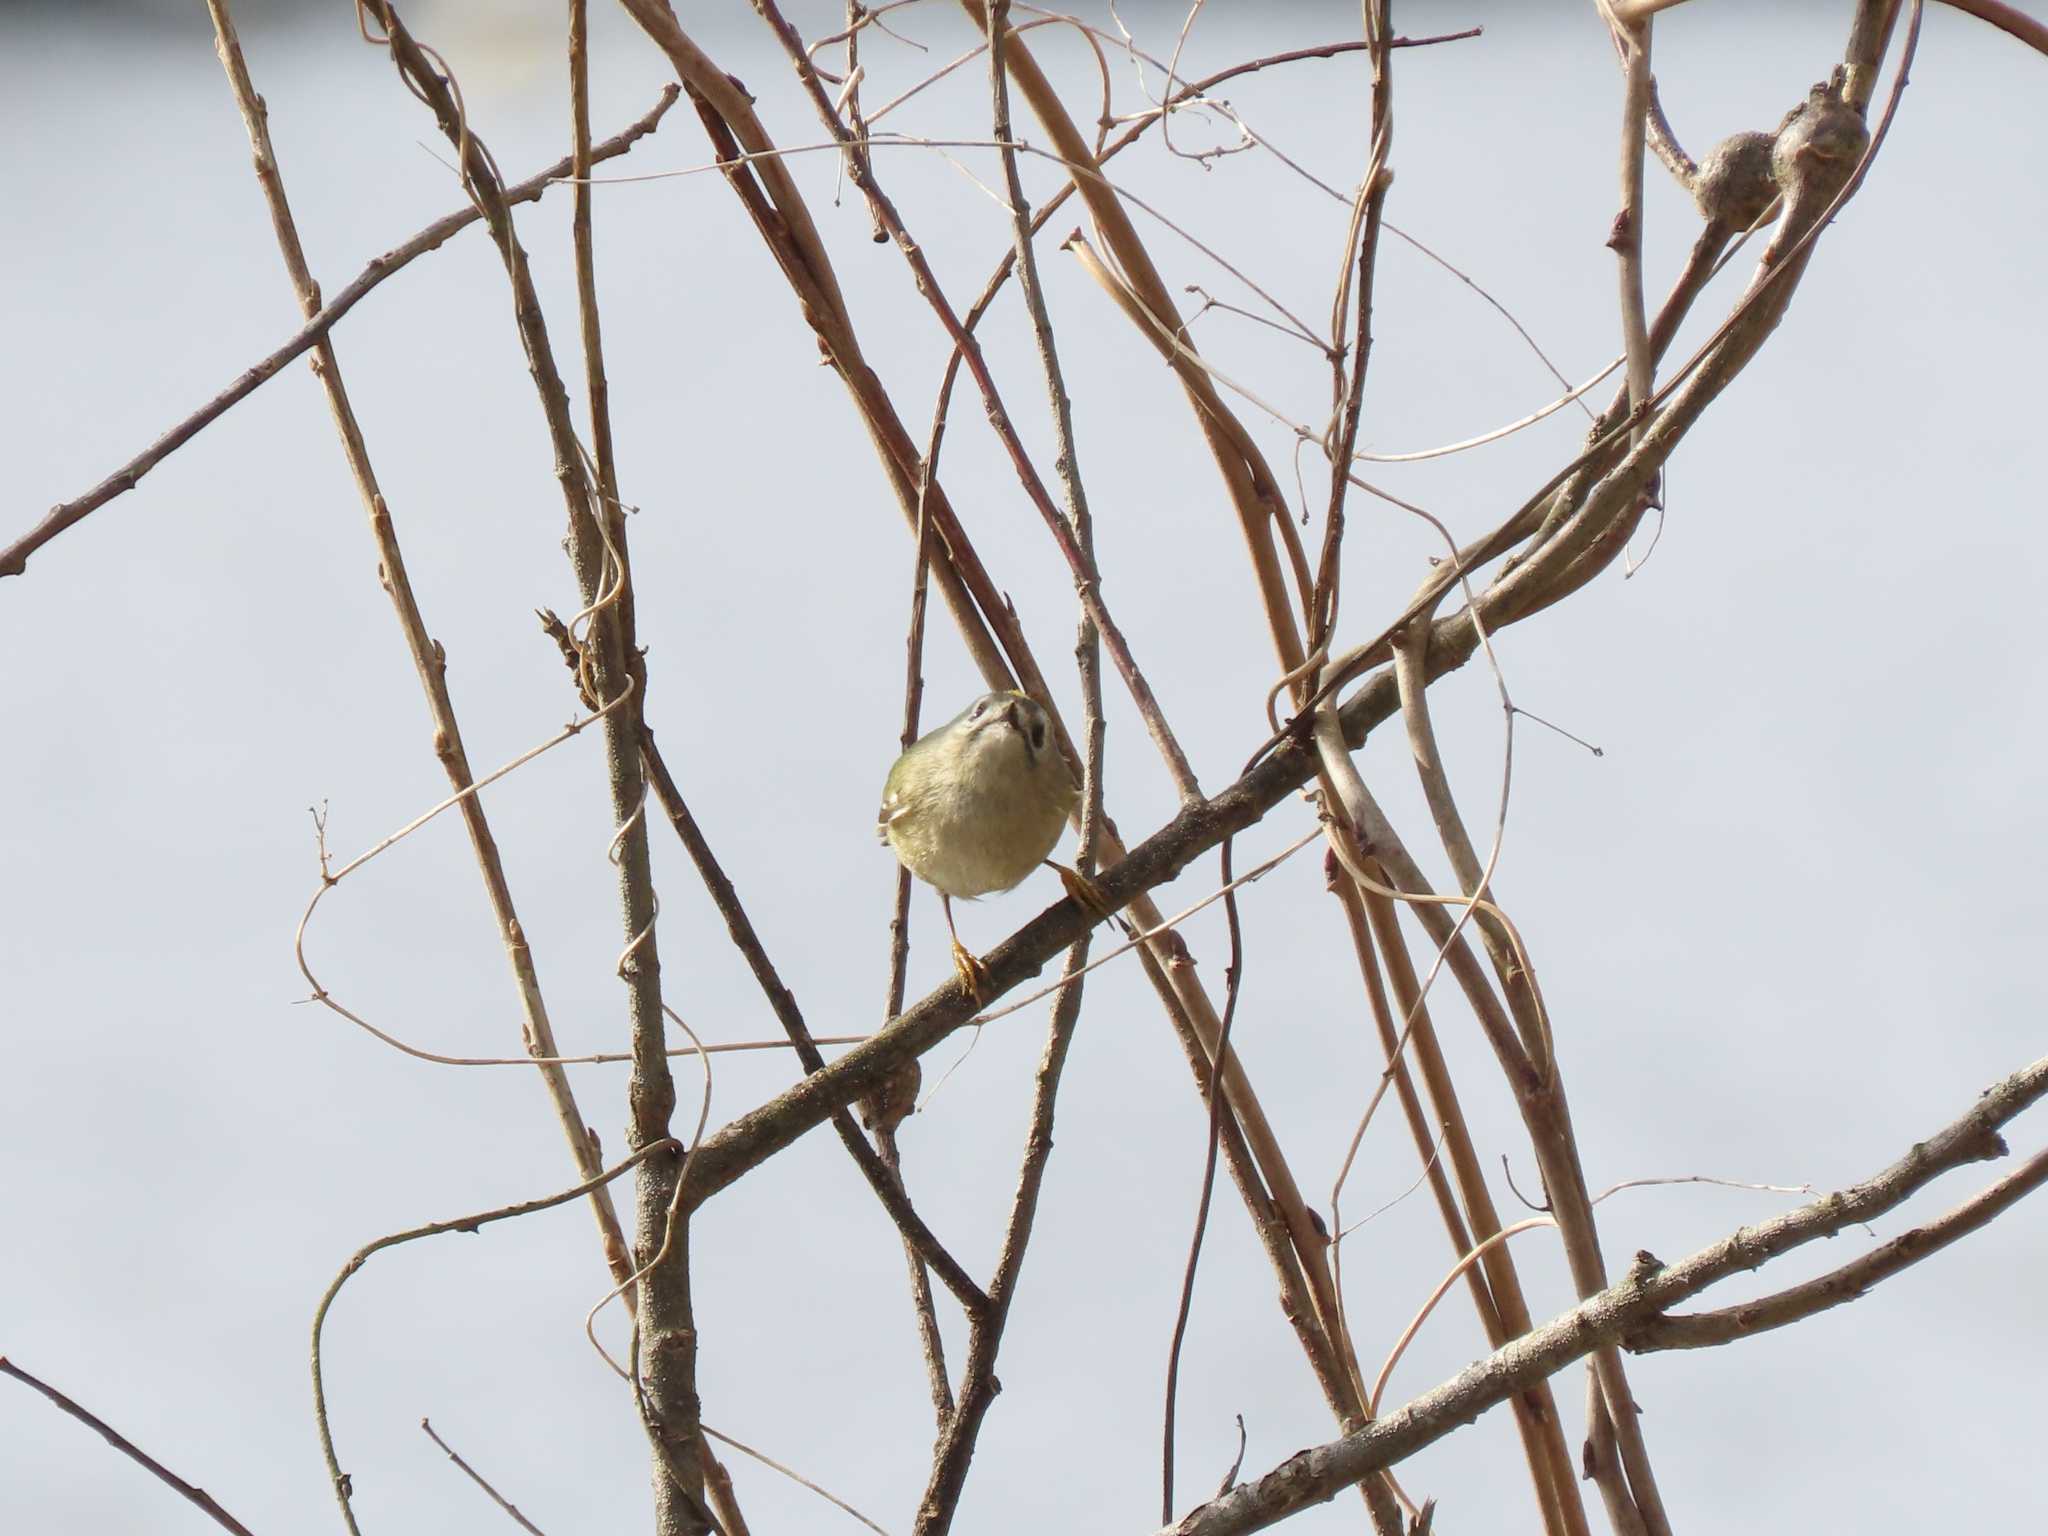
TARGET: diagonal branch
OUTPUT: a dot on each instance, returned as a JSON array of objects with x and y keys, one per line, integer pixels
[
  {"x": 887, "y": 1187},
  {"x": 14, "y": 558},
  {"x": 1608, "y": 1317},
  {"x": 1087, "y": 581},
  {"x": 128, "y": 1448},
  {"x": 1703, "y": 1330}
]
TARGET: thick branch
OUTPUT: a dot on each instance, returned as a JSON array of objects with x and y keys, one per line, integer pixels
[{"x": 1314, "y": 1476}]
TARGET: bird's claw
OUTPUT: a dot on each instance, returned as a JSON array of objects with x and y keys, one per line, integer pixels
[
  {"x": 1084, "y": 893},
  {"x": 973, "y": 974}
]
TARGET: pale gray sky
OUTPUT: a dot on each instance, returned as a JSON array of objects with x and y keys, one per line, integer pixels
[{"x": 1787, "y": 923}]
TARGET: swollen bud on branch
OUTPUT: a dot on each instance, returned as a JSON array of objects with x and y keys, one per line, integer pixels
[
  {"x": 1735, "y": 187},
  {"x": 1818, "y": 145}
]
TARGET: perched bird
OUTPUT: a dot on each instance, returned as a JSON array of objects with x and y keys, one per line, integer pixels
[{"x": 977, "y": 805}]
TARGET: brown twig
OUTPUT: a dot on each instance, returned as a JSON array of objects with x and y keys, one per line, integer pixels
[
  {"x": 931, "y": 1342},
  {"x": 857, "y": 152},
  {"x": 1626, "y": 240},
  {"x": 14, "y": 558},
  {"x": 1086, "y": 582},
  {"x": 794, "y": 1476},
  {"x": 977, "y": 607},
  {"x": 1663, "y": 139},
  {"x": 1530, "y": 1068},
  {"x": 1233, "y": 980},
  {"x": 478, "y": 1478},
  {"x": 120, "y": 1442},
  {"x": 1321, "y": 617},
  {"x": 1611, "y": 1315},
  {"x": 718, "y": 1489},
  {"x": 2009, "y": 19},
  {"x": 1702, "y": 1330},
  {"x": 428, "y": 657},
  {"x": 1255, "y": 493},
  {"x": 1348, "y": 396},
  {"x": 1535, "y": 1410},
  {"x": 336, "y": 1476},
  {"x": 978, "y": 1385},
  {"x": 597, "y": 551},
  {"x": 960, "y": 1430},
  {"x": 725, "y": 897},
  {"x": 1261, "y": 509}
]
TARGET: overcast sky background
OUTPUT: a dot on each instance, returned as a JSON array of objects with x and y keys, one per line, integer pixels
[{"x": 1788, "y": 923}]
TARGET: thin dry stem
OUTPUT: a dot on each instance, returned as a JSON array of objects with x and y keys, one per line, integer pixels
[
  {"x": 497, "y": 1498},
  {"x": 338, "y": 1478},
  {"x": 14, "y": 558},
  {"x": 597, "y": 550},
  {"x": 428, "y": 657},
  {"x": 120, "y": 1442}
]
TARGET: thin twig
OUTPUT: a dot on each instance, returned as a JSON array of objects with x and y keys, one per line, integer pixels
[
  {"x": 14, "y": 558},
  {"x": 1633, "y": 39},
  {"x": 476, "y": 1477},
  {"x": 887, "y": 1187},
  {"x": 931, "y": 1341},
  {"x": 429, "y": 657},
  {"x": 120, "y": 1442},
  {"x": 960, "y": 1430},
  {"x": 1233, "y": 979},
  {"x": 998, "y": 415},
  {"x": 790, "y": 232},
  {"x": 1663, "y": 139},
  {"x": 794, "y": 1476},
  {"x": 1262, "y": 512},
  {"x": 338, "y": 1478},
  {"x": 597, "y": 550},
  {"x": 2009, "y": 19}
]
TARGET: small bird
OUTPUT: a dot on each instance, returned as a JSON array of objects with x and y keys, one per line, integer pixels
[{"x": 977, "y": 804}]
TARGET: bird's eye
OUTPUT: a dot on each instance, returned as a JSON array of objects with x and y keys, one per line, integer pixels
[
  {"x": 980, "y": 708},
  {"x": 1038, "y": 735}
]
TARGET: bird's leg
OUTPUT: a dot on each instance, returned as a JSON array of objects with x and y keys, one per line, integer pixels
[
  {"x": 1084, "y": 893},
  {"x": 972, "y": 972}
]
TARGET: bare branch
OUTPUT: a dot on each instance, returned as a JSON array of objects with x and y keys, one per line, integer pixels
[
  {"x": 476, "y": 1477},
  {"x": 429, "y": 658},
  {"x": 2007, "y": 18},
  {"x": 336, "y": 1476},
  {"x": 14, "y": 558},
  {"x": 597, "y": 551},
  {"x": 128, "y": 1448},
  {"x": 887, "y": 1186},
  {"x": 1851, "y": 1281},
  {"x": 1649, "y": 1289}
]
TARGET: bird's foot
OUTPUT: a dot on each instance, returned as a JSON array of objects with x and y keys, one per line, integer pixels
[
  {"x": 1083, "y": 891},
  {"x": 973, "y": 974}
]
